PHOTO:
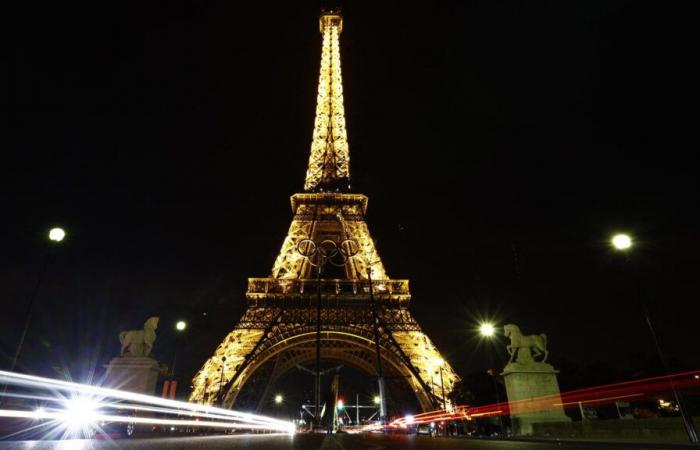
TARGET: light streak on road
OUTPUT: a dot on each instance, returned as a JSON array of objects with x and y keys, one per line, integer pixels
[
  {"x": 96, "y": 418},
  {"x": 595, "y": 395},
  {"x": 101, "y": 399}
]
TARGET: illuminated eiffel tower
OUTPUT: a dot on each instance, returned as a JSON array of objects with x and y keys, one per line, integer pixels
[{"x": 359, "y": 303}]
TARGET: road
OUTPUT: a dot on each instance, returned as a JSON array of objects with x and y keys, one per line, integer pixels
[{"x": 311, "y": 442}]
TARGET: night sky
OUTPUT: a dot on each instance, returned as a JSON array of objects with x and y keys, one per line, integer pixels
[{"x": 500, "y": 145}]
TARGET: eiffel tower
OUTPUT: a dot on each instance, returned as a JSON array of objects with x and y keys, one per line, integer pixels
[{"x": 358, "y": 304}]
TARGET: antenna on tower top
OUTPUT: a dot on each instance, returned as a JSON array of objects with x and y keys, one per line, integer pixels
[{"x": 329, "y": 161}]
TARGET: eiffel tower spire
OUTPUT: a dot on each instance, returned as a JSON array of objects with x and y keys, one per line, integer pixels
[{"x": 329, "y": 162}]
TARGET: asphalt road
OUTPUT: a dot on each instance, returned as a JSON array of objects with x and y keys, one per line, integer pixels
[{"x": 311, "y": 442}]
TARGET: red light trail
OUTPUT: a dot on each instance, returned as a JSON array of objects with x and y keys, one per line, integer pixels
[{"x": 591, "y": 396}]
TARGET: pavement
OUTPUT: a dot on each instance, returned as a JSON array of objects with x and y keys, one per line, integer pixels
[{"x": 321, "y": 442}]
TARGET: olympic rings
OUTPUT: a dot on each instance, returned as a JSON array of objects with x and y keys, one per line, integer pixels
[{"x": 328, "y": 251}]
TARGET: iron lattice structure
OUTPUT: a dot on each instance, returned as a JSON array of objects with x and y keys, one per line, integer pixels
[{"x": 279, "y": 324}]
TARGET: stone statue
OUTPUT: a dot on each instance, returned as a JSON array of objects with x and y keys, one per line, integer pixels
[
  {"x": 533, "y": 392},
  {"x": 519, "y": 348},
  {"x": 139, "y": 342}
]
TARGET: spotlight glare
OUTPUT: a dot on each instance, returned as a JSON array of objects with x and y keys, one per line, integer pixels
[
  {"x": 57, "y": 234},
  {"x": 621, "y": 241},
  {"x": 487, "y": 329},
  {"x": 79, "y": 412}
]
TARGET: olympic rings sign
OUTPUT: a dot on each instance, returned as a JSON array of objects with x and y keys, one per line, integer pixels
[{"x": 328, "y": 251}]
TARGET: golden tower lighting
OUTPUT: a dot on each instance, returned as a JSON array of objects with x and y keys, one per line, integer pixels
[{"x": 279, "y": 328}]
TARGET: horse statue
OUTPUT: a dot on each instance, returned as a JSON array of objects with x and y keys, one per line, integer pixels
[
  {"x": 139, "y": 342},
  {"x": 536, "y": 342}
]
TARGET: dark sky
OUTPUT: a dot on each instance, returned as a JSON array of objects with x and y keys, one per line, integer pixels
[{"x": 167, "y": 138}]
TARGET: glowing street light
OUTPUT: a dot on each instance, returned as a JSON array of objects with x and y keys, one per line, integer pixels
[
  {"x": 340, "y": 404},
  {"x": 487, "y": 329},
  {"x": 621, "y": 241},
  {"x": 279, "y": 398},
  {"x": 377, "y": 399},
  {"x": 57, "y": 234},
  {"x": 180, "y": 326}
]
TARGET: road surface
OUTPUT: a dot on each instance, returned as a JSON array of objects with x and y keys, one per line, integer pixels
[{"x": 312, "y": 442}]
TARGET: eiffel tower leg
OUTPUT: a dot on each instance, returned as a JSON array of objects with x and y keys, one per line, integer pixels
[
  {"x": 409, "y": 364},
  {"x": 249, "y": 357}
]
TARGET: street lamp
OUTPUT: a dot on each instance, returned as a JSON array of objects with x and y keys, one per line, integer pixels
[
  {"x": 623, "y": 243},
  {"x": 487, "y": 329},
  {"x": 377, "y": 399},
  {"x": 318, "y": 255},
  {"x": 279, "y": 399},
  {"x": 55, "y": 235},
  {"x": 221, "y": 381},
  {"x": 180, "y": 326},
  {"x": 377, "y": 348},
  {"x": 439, "y": 362}
]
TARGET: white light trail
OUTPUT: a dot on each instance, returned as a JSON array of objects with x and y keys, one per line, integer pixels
[
  {"x": 96, "y": 418},
  {"x": 107, "y": 398}
]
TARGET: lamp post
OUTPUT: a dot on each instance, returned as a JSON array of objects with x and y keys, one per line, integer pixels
[
  {"x": 180, "y": 326},
  {"x": 377, "y": 347},
  {"x": 623, "y": 243},
  {"x": 221, "y": 382},
  {"x": 318, "y": 255},
  {"x": 488, "y": 331},
  {"x": 439, "y": 363},
  {"x": 56, "y": 235}
]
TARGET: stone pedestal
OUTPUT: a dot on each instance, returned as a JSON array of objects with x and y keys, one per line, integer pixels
[
  {"x": 533, "y": 395},
  {"x": 132, "y": 373}
]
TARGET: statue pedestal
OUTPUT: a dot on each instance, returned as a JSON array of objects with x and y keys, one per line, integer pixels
[
  {"x": 533, "y": 395},
  {"x": 132, "y": 373}
]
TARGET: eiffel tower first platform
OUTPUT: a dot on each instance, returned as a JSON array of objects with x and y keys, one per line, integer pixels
[{"x": 328, "y": 267}]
